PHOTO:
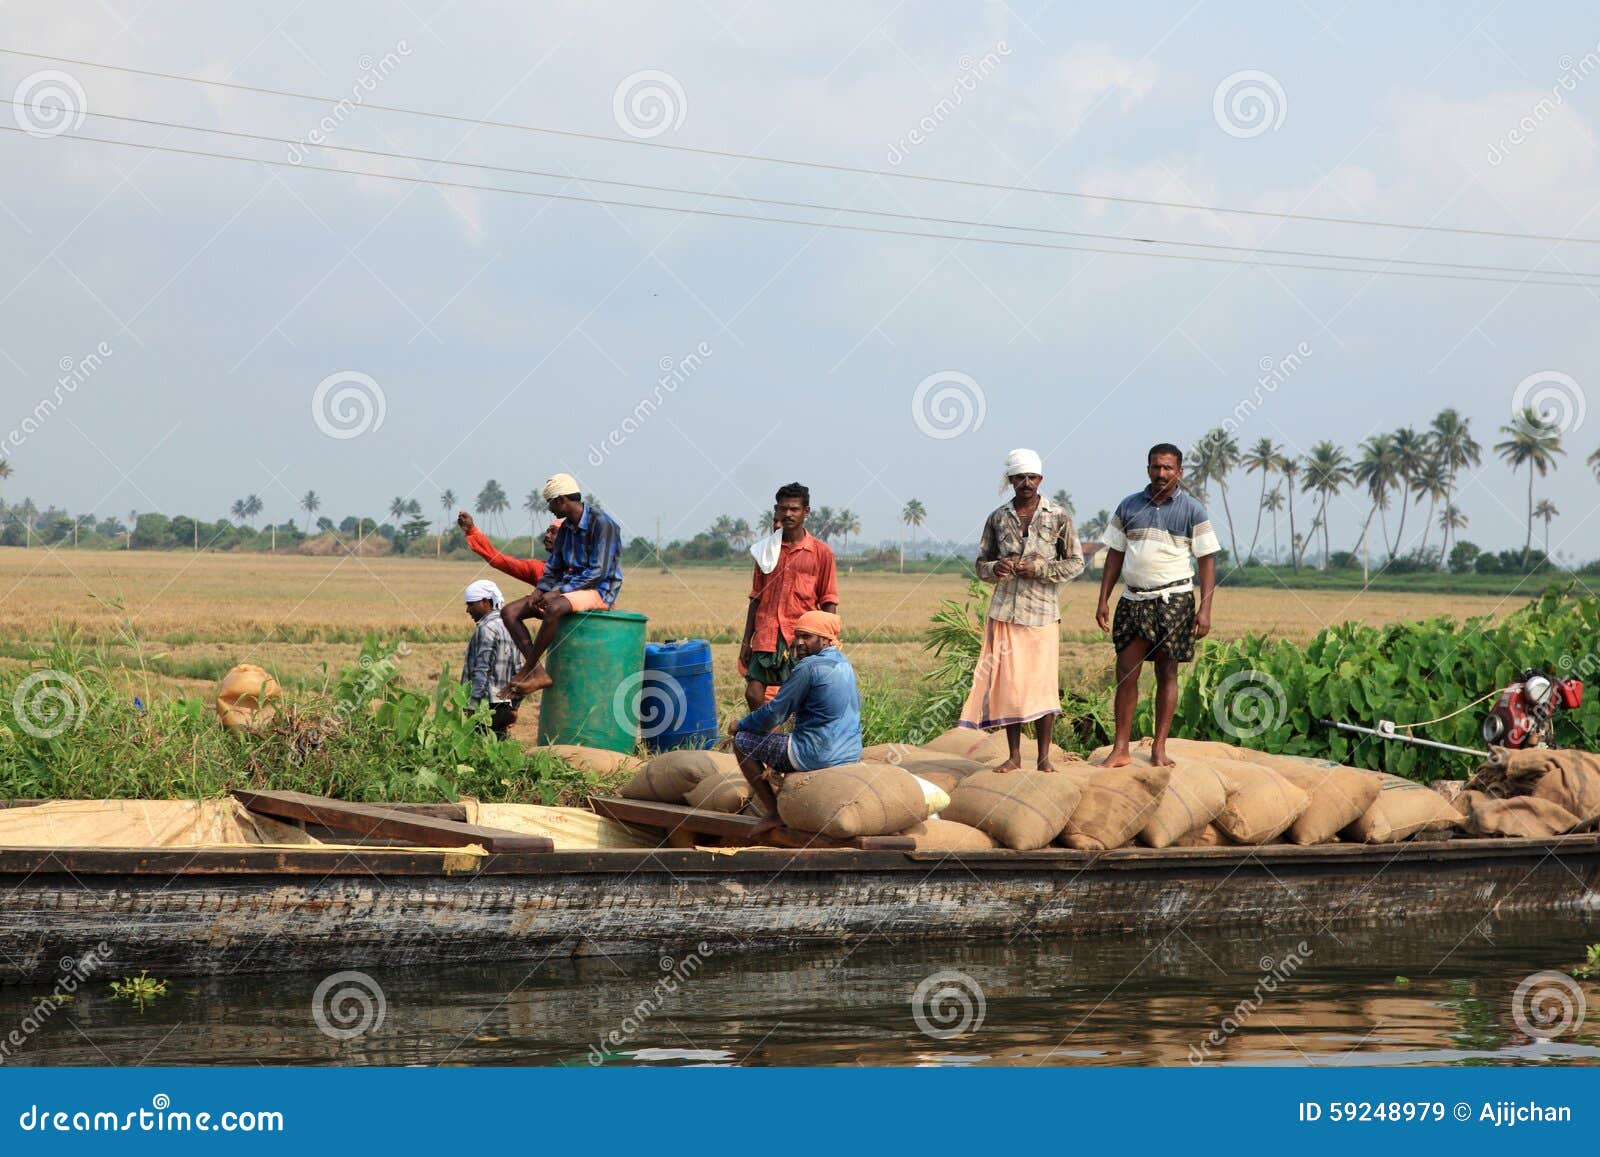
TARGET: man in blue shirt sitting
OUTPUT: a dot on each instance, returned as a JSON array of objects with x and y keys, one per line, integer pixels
[{"x": 822, "y": 697}]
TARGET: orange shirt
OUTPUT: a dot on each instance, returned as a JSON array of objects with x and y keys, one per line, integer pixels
[
  {"x": 529, "y": 570},
  {"x": 803, "y": 580}
]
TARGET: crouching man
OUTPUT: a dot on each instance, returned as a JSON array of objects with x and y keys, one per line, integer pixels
[{"x": 821, "y": 695}]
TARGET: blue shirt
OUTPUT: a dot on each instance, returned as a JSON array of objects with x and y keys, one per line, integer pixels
[
  {"x": 821, "y": 695},
  {"x": 586, "y": 556}
]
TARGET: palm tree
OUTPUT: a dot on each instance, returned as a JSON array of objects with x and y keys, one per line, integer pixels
[
  {"x": 1533, "y": 443},
  {"x": 1453, "y": 442},
  {"x": 237, "y": 509},
  {"x": 1327, "y": 472},
  {"x": 1377, "y": 472},
  {"x": 1064, "y": 500},
  {"x": 447, "y": 503},
  {"x": 740, "y": 536},
  {"x": 1546, "y": 510},
  {"x": 1450, "y": 520},
  {"x": 5, "y": 469},
  {"x": 1095, "y": 526},
  {"x": 533, "y": 504},
  {"x": 252, "y": 507},
  {"x": 1432, "y": 481},
  {"x": 1290, "y": 468},
  {"x": 1273, "y": 500},
  {"x": 913, "y": 514},
  {"x": 822, "y": 522},
  {"x": 1220, "y": 452},
  {"x": 1411, "y": 452},
  {"x": 397, "y": 510},
  {"x": 492, "y": 500},
  {"x": 1593, "y": 460},
  {"x": 1265, "y": 457},
  {"x": 849, "y": 523},
  {"x": 310, "y": 504}
]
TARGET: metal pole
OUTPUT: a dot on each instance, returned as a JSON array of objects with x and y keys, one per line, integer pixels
[{"x": 1388, "y": 732}]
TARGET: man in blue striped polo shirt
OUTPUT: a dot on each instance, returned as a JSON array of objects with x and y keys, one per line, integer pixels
[{"x": 1149, "y": 543}]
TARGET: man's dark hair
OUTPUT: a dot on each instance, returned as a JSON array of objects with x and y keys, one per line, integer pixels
[
  {"x": 795, "y": 490},
  {"x": 1165, "y": 448}
]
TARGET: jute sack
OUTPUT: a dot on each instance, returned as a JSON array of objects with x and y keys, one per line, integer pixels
[
  {"x": 1403, "y": 808},
  {"x": 723, "y": 791},
  {"x": 1527, "y": 815},
  {"x": 1339, "y": 796},
  {"x": 247, "y": 698},
  {"x": 989, "y": 747},
  {"x": 915, "y": 759},
  {"x": 1177, "y": 748},
  {"x": 1195, "y": 794},
  {"x": 1562, "y": 776},
  {"x": 857, "y": 799},
  {"x": 670, "y": 776},
  {"x": 1024, "y": 809},
  {"x": 948, "y": 836},
  {"x": 962, "y": 741},
  {"x": 1114, "y": 804},
  {"x": 1209, "y": 836},
  {"x": 595, "y": 760},
  {"x": 1261, "y": 803}
]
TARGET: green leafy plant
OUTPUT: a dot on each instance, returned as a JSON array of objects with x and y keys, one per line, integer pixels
[
  {"x": 141, "y": 989},
  {"x": 1407, "y": 672},
  {"x": 1590, "y": 968}
]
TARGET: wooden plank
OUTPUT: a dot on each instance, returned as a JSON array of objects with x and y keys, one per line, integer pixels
[
  {"x": 372, "y": 820},
  {"x": 733, "y": 830}
]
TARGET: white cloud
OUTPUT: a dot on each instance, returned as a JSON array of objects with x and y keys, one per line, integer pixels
[{"x": 1087, "y": 77}]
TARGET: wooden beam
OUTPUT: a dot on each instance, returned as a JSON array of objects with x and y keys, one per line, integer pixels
[
  {"x": 388, "y": 823},
  {"x": 734, "y": 830}
]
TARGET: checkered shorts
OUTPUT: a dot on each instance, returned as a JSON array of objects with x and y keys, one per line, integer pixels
[
  {"x": 766, "y": 747},
  {"x": 1166, "y": 624}
]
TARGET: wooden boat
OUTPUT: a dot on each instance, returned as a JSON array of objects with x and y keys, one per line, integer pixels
[{"x": 186, "y": 911}]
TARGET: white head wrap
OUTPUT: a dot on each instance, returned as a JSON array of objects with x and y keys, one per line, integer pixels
[
  {"x": 766, "y": 551},
  {"x": 485, "y": 589},
  {"x": 559, "y": 484},
  {"x": 1020, "y": 462}
]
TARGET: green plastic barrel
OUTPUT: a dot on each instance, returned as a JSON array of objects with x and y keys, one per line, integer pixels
[{"x": 597, "y": 662}]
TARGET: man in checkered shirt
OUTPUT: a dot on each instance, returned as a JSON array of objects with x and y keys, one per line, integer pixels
[{"x": 1149, "y": 543}]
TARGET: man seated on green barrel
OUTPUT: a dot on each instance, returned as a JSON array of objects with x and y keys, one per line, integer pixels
[
  {"x": 822, "y": 697},
  {"x": 584, "y": 574}
]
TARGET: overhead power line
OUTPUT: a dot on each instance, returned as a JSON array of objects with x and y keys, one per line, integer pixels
[
  {"x": 838, "y": 225},
  {"x": 728, "y": 154},
  {"x": 1319, "y": 255}
]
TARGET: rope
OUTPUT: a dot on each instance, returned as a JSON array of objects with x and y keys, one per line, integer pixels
[{"x": 1427, "y": 722}]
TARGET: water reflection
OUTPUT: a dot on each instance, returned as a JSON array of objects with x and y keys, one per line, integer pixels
[{"x": 1417, "y": 994}]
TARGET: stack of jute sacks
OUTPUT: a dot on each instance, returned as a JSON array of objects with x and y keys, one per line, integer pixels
[{"x": 947, "y": 796}]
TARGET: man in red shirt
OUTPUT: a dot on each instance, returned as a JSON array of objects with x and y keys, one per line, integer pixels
[
  {"x": 529, "y": 570},
  {"x": 803, "y": 578}
]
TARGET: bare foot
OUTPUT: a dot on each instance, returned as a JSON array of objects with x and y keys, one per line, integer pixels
[
  {"x": 1160, "y": 758},
  {"x": 1046, "y": 766},
  {"x": 1009, "y": 765},
  {"x": 536, "y": 680},
  {"x": 1118, "y": 758}
]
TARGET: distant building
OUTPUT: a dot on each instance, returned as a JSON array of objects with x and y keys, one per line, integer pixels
[{"x": 1094, "y": 555}]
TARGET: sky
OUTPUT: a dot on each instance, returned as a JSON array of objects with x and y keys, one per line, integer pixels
[{"x": 231, "y": 327}]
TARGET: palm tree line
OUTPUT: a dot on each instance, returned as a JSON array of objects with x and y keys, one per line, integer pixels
[{"x": 1391, "y": 473}]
